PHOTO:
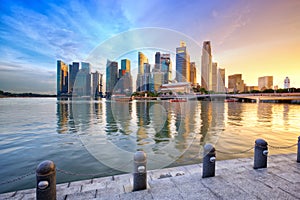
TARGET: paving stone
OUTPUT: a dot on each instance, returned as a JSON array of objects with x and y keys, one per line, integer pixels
[
  {"x": 235, "y": 179},
  {"x": 141, "y": 195},
  {"x": 82, "y": 195}
]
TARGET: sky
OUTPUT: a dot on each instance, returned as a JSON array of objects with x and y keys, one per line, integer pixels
[{"x": 255, "y": 38}]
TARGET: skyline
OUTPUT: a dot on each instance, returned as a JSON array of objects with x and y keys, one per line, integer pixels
[{"x": 253, "y": 38}]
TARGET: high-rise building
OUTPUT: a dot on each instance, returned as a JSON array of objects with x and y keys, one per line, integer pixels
[
  {"x": 265, "y": 82},
  {"x": 86, "y": 68},
  {"x": 125, "y": 65},
  {"x": 62, "y": 78},
  {"x": 166, "y": 67},
  {"x": 96, "y": 83},
  {"x": 142, "y": 59},
  {"x": 125, "y": 78},
  {"x": 182, "y": 64},
  {"x": 214, "y": 76},
  {"x": 73, "y": 70},
  {"x": 111, "y": 76},
  {"x": 146, "y": 77},
  {"x": 287, "y": 83},
  {"x": 157, "y": 80},
  {"x": 206, "y": 66},
  {"x": 236, "y": 83},
  {"x": 221, "y": 80},
  {"x": 157, "y": 65},
  {"x": 193, "y": 74},
  {"x": 83, "y": 84}
]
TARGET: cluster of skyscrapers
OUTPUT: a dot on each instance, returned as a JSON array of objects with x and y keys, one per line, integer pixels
[
  {"x": 73, "y": 80},
  {"x": 118, "y": 81},
  {"x": 154, "y": 78}
]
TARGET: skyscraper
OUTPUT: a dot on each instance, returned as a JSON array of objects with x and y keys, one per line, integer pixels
[
  {"x": 157, "y": 65},
  {"x": 235, "y": 83},
  {"x": 73, "y": 70},
  {"x": 214, "y": 76},
  {"x": 265, "y": 82},
  {"x": 146, "y": 77},
  {"x": 125, "y": 65},
  {"x": 125, "y": 78},
  {"x": 221, "y": 80},
  {"x": 166, "y": 67},
  {"x": 193, "y": 73},
  {"x": 82, "y": 84},
  {"x": 62, "y": 78},
  {"x": 96, "y": 83},
  {"x": 182, "y": 63},
  {"x": 142, "y": 59},
  {"x": 111, "y": 76},
  {"x": 206, "y": 66}
]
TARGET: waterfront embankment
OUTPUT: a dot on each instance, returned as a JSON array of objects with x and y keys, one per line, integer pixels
[{"x": 235, "y": 179}]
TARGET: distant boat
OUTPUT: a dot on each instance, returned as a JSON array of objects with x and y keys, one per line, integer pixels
[
  {"x": 178, "y": 100},
  {"x": 121, "y": 98},
  {"x": 231, "y": 100}
]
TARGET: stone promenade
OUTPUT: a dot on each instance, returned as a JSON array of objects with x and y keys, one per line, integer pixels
[{"x": 235, "y": 179}]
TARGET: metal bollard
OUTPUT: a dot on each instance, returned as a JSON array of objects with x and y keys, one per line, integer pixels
[
  {"x": 140, "y": 171},
  {"x": 46, "y": 180},
  {"x": 209, "y": 161},
  {"x": 260, "y": 154},
  {"x": 298, "y": 152}
]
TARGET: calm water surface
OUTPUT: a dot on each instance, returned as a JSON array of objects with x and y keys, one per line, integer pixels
[{"x": 100, "y": 137}]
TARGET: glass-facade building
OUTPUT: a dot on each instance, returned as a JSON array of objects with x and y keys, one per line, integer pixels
[{"x": 62, "y": 78}]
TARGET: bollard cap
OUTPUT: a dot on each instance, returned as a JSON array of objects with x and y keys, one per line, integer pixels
[
  {"x": 140, "y": 156},
  {"x": 209, "y": 148},
  {"x": 261, "y": 142},
  {"x": 45, "y": 167}
]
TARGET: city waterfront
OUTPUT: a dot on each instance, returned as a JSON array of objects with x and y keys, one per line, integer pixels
[{"x": 99, "y": 137}]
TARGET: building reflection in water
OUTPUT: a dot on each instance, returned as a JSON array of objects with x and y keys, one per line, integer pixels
[
  {"x": 167, "y": 131},
  {"x": 65, "y": 119},
  {"x": 265, "y": 114}
]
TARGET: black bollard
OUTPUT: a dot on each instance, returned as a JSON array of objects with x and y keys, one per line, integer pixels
[
  {"x": 46, "y": 181},
  {"x": 298, "y": 152},
  {"x": 140, "y": 171},
  {"x": 260, "y": 154},
  {"x": 209, "y": 161}
]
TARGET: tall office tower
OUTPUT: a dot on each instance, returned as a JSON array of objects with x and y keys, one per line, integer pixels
[
  {"x": 157, "y": 79},
  {"x": 286, "y": 83},
  {"x": 96, "y": 78},
  {"x": 193, "y": 73},
  {"x": 221, "y": 80},
  {"x": 182, "y": 63},
  {"x": 86, "y": 69},
  {"x": 73, "y": 70},
  {"x": 111, "y": 76},
  {"x": 125, "y": 65},
  {"x": 62, "y": 78},
  {"x": 82, "y": 84},
  {"x": 206, "y": 66},
  {"x": 157, "y": 65},
  {"x": 146, "y": 78},
  {"x": 235, "y": 83},
  {"x": 265, "y": 82},
  {"x": 214, "y": 76},
  {"x": 166, "y": 67},
  {"x": 142, "y": 59},
  {"x": 101, "y": 86},
  {"x": 125, "y": 78}
]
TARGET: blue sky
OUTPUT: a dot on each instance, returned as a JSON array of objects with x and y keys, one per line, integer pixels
[{"x": 244, "y": 34}]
